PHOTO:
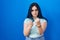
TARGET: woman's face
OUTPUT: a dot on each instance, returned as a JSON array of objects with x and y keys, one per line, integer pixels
[{"x": 34, "y": 11}]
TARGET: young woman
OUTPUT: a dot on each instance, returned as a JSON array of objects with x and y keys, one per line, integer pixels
[{"x": 35, "y": 24}]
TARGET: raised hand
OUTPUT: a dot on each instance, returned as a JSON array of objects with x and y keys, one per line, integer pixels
[{"x": 37, "y": 21}]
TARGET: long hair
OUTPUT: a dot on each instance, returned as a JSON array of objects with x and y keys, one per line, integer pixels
[{"x": 38, "y": 8}]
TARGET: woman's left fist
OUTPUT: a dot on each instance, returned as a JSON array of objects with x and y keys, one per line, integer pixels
[{"x": 37, "y": 21}]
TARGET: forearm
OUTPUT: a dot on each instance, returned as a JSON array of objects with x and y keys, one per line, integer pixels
[
  {"x": 40, "y": 30},
  {"x": 27, "y": 31}
]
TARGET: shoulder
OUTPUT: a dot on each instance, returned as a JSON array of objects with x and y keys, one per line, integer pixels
[
  {"x": 43, "y": 20},
  {"x": 27, "y": 20}
]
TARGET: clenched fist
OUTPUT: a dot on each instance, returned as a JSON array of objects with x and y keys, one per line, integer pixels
[{"x": 37, "y": 21}]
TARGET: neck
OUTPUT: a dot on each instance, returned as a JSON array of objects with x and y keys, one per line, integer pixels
[{"x": 34, "y": 18}]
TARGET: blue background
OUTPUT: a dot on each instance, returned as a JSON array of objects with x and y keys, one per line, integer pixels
[{"x": 13, "y": 13}]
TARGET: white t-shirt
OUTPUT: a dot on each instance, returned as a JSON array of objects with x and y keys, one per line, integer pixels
[{"x": 34, "y": 33}]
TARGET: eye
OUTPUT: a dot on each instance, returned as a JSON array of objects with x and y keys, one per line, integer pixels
[
  {"x": 32, "y": 10},
  {"x": 36, "y": 9}
]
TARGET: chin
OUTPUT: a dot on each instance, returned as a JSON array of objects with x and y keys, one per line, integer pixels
[{"x": 35, "y": 16}]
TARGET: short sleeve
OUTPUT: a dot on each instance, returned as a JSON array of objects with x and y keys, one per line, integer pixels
[
  {"x": 27, "y": 20},
  {"x": 43, "y": 20}
]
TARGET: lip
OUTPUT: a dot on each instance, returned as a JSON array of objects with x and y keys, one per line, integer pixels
[{"x": 35, "y": 14}]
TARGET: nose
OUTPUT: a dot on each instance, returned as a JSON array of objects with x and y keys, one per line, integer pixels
[{"x": 34, "y": 11}]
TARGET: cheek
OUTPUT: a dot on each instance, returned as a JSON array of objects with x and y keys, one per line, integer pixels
[
  {"x": 32, "y": 13},
  {"x": 36, "y": 12}
]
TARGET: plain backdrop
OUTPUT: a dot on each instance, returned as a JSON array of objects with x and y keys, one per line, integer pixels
[{"x": 13, "y": 13}]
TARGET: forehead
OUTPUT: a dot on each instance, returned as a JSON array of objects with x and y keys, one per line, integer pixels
[{"x": 34, "y": 7}]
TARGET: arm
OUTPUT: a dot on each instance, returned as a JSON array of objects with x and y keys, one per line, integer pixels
[
  {"x": 27, "y": 28},
  {"x": 42, "y": 27}
]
